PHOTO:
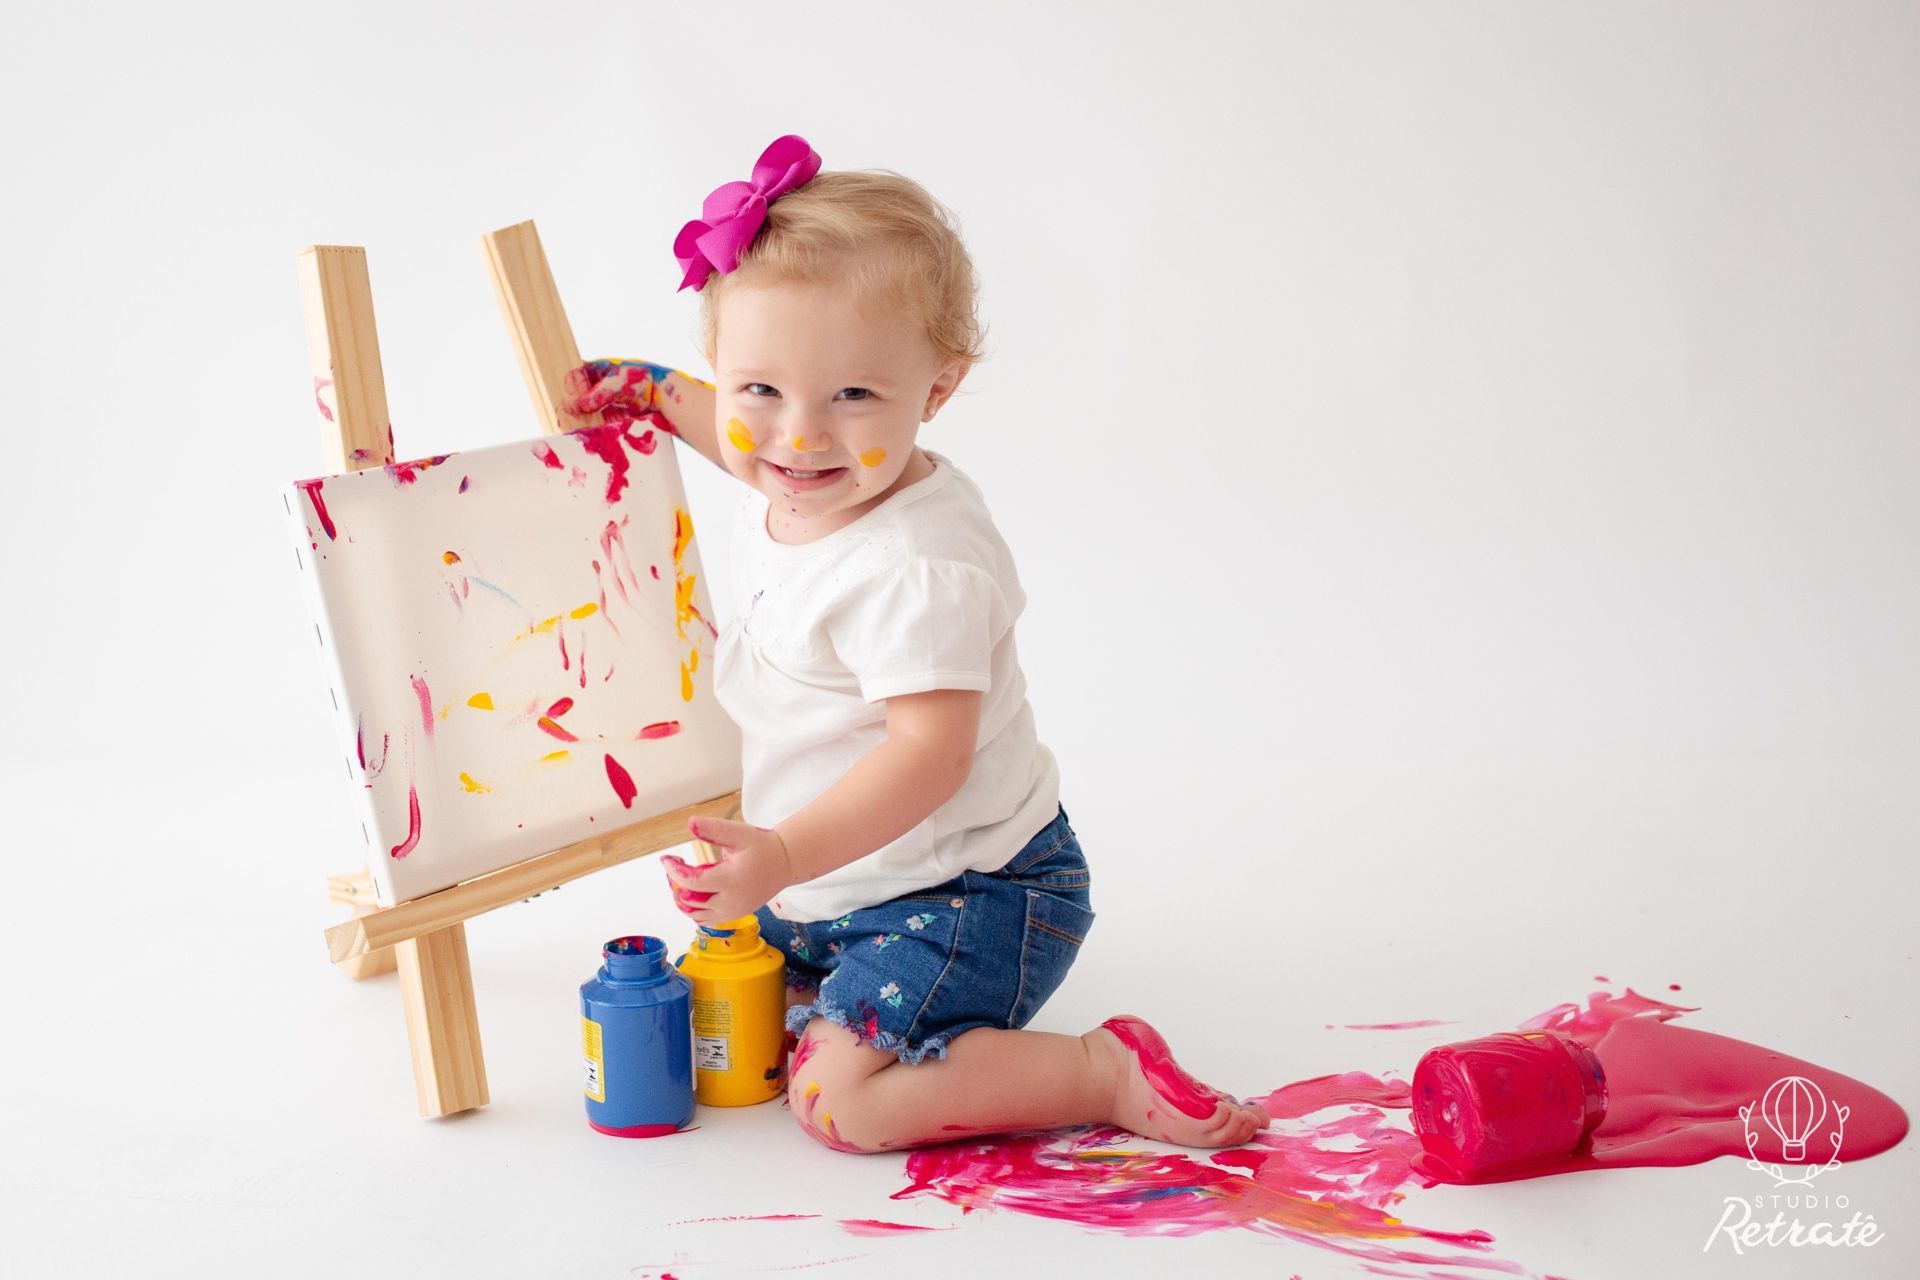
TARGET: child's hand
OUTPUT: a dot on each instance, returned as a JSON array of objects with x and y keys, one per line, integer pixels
[
  {"x": 753, "y": 867},
  {"x": 623, "y": 391}
]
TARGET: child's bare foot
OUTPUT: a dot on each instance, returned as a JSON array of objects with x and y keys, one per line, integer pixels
[{"x": 1154, "y": 1098}]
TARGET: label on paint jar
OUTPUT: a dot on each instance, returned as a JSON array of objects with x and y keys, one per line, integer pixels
[
  {"x": 712, "y": 1027},
  {"x": 710, "y": 1053},
  {"x": 594, "y": 1060}
]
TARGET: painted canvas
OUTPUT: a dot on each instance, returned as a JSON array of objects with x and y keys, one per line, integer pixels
[{"x": 517, "y": 643}]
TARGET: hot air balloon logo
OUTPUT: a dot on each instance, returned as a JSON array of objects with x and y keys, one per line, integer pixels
[{"x": 1794, "y": 1108}]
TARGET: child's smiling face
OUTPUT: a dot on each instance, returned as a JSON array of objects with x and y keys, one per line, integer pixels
[{"x": 808, "y": 379}]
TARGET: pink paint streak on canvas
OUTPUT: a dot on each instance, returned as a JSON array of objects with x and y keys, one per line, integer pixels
[
  {"x": 406, "y": 846},
  {"x": 426, "y": 703},
  {"x": 609, "y": 444},
  {"x": 659, "y": 729},
  {"x": 544, "y": 451},
  {"x": 405, "y": 473},
  {"x": 1397, "y": 1026},
  {"x": 312, "y": 489},
  {"x": 367, "y": 769},
  {"x": 622, "y": 782}
]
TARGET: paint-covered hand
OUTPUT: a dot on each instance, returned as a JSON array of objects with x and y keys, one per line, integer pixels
[
  {"x": 753, "y": 867},
  {"x": 622, "y": 391}
]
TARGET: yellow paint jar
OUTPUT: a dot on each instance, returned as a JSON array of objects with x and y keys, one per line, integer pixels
[{"x": 739, "y": 1014}]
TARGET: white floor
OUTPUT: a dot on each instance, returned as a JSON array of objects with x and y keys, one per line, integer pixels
[{"x": 200, "y": 1094}]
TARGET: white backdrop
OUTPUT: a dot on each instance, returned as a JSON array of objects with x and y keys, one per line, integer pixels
[{"x": 1462, "y": 459}]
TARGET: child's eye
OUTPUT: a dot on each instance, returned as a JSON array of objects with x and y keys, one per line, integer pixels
[
  {"x": 855, "y": 393},
  {"x": 759, "y": 389}
]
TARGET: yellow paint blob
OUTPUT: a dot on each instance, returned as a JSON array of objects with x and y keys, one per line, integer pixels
[
  {"x": 482, "y": 701},
  {"x": 585, "y": 611},
  {"x": 479, "y": 788},
  {"x": 741, "y": 438},
  {"x": 562, "y": 754},
  {"x": 812, "y": 1089},
  {"x": 449, "y": 557},
  {"x": 873, "y": 457}
]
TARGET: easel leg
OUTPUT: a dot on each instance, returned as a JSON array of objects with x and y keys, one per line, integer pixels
[{"x": 443, "y": 1029}]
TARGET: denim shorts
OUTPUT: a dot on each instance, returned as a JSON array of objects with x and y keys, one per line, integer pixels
[{"x": 985, "y": 949}]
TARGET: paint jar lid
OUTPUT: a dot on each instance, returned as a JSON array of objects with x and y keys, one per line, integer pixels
[
  {"x": 733, "y": 940},
  {"x": 637, "y": 958}
]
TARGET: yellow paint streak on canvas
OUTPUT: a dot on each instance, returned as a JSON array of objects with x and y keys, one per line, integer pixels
[
  {"x": 562, "y": 754},
  {"x": 586, "y": 610},
  {"x": 481, "y": 701},
  {"x": 449, "y": 557},
  {"x": 479, "y": 788}
]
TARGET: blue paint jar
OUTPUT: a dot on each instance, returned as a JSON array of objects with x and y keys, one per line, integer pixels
[{"x": 637, "y": 1028}]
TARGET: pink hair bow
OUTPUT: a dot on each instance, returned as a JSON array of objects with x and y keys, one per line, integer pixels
[{"x": 732, "y": 215}]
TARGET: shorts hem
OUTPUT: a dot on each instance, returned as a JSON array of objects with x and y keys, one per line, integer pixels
[{"x": 869, "y": 1030}]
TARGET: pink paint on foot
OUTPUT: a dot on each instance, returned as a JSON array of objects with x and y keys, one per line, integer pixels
[{"x": 1162, "y": 1072}]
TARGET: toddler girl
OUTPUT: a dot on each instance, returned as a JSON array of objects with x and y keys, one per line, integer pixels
[{"x": 904, "y": 844}]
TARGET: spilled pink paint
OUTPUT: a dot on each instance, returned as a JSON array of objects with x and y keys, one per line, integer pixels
[
  {"x": 1336, "y": 1181},
  {"x": 875, "y": 1227}
]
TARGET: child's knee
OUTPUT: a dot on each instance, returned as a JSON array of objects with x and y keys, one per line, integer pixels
[{"x": 824, "y": 1089}]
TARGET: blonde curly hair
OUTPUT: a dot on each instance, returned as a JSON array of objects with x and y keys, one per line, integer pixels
[{"x": 877, "y": 231}]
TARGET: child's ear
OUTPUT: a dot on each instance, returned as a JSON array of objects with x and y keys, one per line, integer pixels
[{"x": 944, "y": 385}]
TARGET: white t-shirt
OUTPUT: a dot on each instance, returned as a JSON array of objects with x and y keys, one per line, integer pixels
[{"x": 918, "y": 593}]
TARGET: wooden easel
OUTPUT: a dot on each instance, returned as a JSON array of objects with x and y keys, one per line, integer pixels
[{"x": 426, "y": 939}]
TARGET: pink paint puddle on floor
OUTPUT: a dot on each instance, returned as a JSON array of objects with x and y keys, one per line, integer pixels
[{"x": 1674, "y": 1098}]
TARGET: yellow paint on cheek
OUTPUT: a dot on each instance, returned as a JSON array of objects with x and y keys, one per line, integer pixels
[
  {"x": 481, "y": 701},
  {"x": 741, "y": 438},
  {"x": 479, "y": 788},
  {"x": 873, "y": 457}
]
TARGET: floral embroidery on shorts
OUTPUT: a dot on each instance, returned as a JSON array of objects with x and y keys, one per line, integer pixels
[
  {"x": 833, "y": 948},
  {"x": 891, "y": 994},
  {"x": 922, "y": 920},
  {"x": 882, "y": 939},
  {"x": 800, "y": 949},
  {"x": 842, "y": 922}
]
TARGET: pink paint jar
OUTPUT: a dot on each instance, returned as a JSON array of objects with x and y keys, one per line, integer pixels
[{"x": 1505, "y": 1100}]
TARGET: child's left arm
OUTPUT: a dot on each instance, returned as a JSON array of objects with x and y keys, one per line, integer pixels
[{"x": 925, "y": 760}]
